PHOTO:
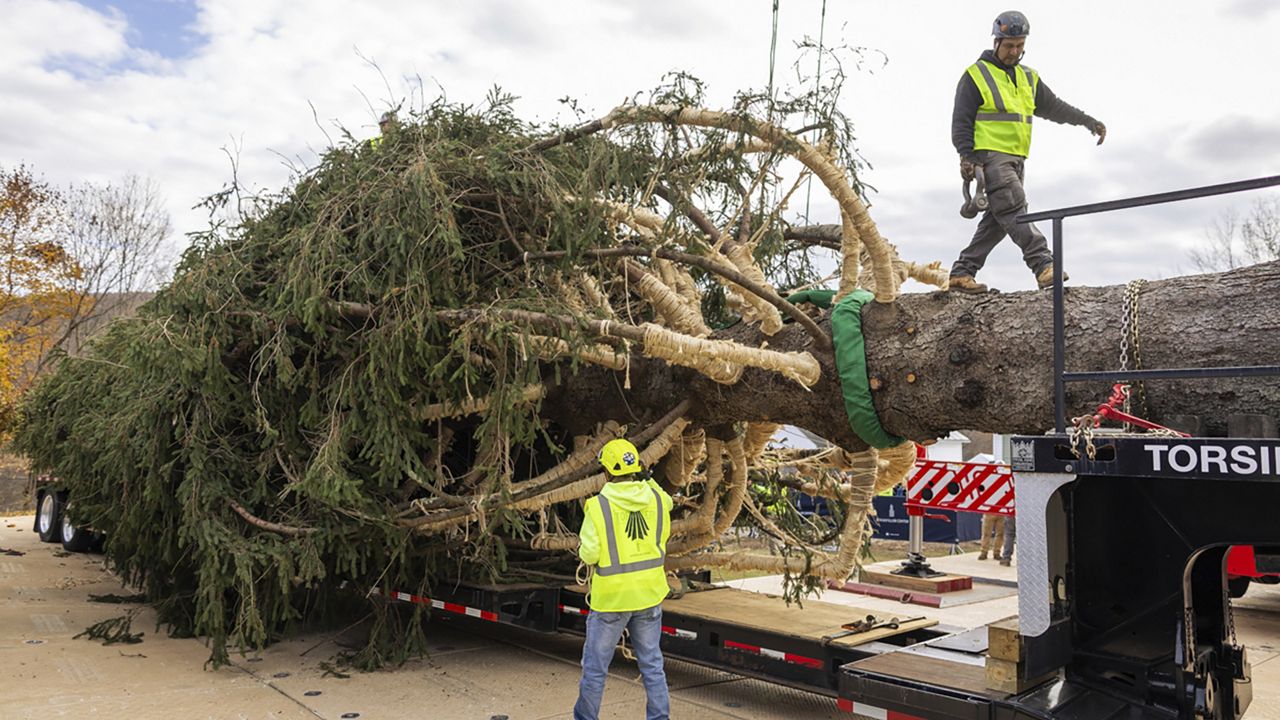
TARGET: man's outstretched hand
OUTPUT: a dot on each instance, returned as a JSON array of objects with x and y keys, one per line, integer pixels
[{"x": 1100, "y": 130}]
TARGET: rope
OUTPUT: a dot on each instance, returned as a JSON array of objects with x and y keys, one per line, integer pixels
[
  {"x": 773, "y": 55},
  {"x": 817, "y": 83}
]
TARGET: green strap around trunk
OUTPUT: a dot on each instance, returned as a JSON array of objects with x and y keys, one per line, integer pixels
[{"x": 851, "y": 362}]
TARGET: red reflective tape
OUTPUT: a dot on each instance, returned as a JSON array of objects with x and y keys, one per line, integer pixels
[
  {"x": 677, "y": 632},
  {"x": 740, "y": 646},
  {"x": 844, "y": 705},
  {"x": 802, "y": 660},
  {"x": 490, "y": 616},
  {"x": 571, "y": 610},
  {"x": 455, "y": 608}
]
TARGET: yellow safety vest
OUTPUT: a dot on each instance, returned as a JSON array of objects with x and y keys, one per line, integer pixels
[
  {"x": 630, "y": 573},
  {"x": 375, "y": 143},
  {"x": 1003, "y": 122}
]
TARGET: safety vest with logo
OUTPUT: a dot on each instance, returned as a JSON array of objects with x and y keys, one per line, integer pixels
[
  {"x": 629, "y": 574},
  {"x": 1003, "y": 122}
]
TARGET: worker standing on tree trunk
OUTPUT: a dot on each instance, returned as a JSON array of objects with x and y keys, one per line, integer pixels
[
  {"x": 632, "y": 516},
  {"x": 991, "y": 129}
]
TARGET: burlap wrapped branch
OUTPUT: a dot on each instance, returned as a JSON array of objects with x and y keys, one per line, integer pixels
[
  {"x": 850, "y": 257},
  {"x": 474, "y": 406},
  {"x": 677, "y": 277},
  {"x": 865, "y": 468},
  {"x": 896, "y": 462},
  {"x": 822, "y": 166},
  {"x": 713, "y": 518},
  {"x": 758, "y": 436},
  {"x": 553, "y": 348},
  {"x": 746, "y": 145},
  {"x": 757, "y": 308},
  {"x": 577, "y": 490},
  {"x": 595, "y": 295},
  {"x": 669, "y": 305},
  {"x": 703, "y": 519},
  {"x": 723, "y": 361},
  {"x": 932, "y": 274},
  {"x": 679, "y": 465}
]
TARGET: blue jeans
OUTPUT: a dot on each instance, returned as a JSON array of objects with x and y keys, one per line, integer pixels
[{"x": 604, "y": 629}]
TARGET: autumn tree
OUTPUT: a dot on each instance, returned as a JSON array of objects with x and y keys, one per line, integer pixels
[{"x": 37, "y": 272}]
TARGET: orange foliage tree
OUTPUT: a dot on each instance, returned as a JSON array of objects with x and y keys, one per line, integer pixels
[{"x": 38, "y": 278}]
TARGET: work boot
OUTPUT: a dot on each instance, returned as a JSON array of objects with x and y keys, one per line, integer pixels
[
  {"x": 1044, "y": 278},
  {"x": 1006, "y": 561},
  {"x": 982, "y": 555},
  {"x": 966, "y": 284}
]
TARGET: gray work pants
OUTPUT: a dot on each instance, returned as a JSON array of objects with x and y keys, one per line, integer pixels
[
  {"x": 1010, "y": 537},
  {"x": 1007, "y": 200}
]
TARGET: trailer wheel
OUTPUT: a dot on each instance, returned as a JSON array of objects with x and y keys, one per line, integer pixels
[
  {"x": 75, "y": 539},
  {"x": 49, "y": 517},
  {"x": 1238, "y": 586}
]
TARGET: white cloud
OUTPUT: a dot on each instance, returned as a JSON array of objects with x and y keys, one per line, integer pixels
[
  {"x": 35, "y": 32},
  {"x": 1170, "y": 80}
]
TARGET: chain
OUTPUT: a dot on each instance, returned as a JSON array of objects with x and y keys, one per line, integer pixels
[
  {"x": 1082, "y": 429},
  {"x": 1131, "y": 339}
]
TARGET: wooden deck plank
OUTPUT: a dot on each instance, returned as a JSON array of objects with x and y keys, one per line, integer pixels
[
  {"x": 770, "y": 613},
  {"x": 934, "y": 671}
]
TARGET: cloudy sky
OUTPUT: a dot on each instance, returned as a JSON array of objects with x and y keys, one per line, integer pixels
[{"x": 94, "y": 90}]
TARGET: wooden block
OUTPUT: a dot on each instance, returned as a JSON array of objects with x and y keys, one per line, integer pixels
[
  {"x": 1008, "y": 677},
  {"x": 939, "y": 584},
  {"x": 1004, "y": 642}
]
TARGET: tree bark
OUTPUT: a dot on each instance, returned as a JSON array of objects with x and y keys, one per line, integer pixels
[{"x": 949, "y": 361}]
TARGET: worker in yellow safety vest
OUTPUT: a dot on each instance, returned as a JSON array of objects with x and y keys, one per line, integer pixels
[
  {"x": 386, "y": 124},
  {"x": 624, "y": 538},
  {"x": 991, "y": 130}
]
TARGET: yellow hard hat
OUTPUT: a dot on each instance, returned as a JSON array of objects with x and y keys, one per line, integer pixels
[{"x": 620, "y": 457}]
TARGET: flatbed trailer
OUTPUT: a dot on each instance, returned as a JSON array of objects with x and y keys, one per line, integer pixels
[
  {"x": 748, "y": 633},
  {"x": 1123, "y": 602}
]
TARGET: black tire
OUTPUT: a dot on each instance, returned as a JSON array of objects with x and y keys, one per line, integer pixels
[
  {"x": 74, "y": 539},
  {"x": 1238, "y": 586},
  {"x": 49, "y": 517}
]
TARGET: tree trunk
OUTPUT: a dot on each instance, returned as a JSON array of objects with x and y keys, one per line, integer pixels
[{"x": 946, "y": 361}]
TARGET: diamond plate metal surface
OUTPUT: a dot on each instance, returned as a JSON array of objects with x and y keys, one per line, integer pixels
[{"x": 1034, "y": 599}]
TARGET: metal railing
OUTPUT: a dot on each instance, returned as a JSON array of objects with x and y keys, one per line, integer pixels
[{"x": 1060, "y": 376}]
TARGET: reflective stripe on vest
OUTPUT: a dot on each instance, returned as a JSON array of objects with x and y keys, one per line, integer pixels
[
  {"x": 616, "y": 567},
  {"x": 1003, "y": 122}
]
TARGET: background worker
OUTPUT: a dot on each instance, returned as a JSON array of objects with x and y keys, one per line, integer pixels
[
  {"x": 992, "y": 525},
  {"x": 991, "y": 129},
  {"x": 1010, "y": 538},
  {"x": 386, "y": 124},
  {"x": 624, "y": 536}
]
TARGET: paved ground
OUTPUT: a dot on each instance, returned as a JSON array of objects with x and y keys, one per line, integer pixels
[
  {"x": 505, "y": 673},
  {"x": 13, "y": 485}
]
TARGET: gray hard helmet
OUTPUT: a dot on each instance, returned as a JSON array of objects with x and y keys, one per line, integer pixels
[
  {"x": 388, "y": 116},
  {"x": 1011, "y": 24}
]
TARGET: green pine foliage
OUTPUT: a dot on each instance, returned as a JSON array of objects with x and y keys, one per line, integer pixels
[{"x": 285, "y": 368}]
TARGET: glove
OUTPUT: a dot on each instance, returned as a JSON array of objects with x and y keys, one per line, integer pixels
[
  {"x": 1100, "y": 130},
  {"x": 966, "y": 169}
]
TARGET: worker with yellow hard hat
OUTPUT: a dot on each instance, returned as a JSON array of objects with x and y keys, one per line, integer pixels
[{"x": 624, "y": 537}]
